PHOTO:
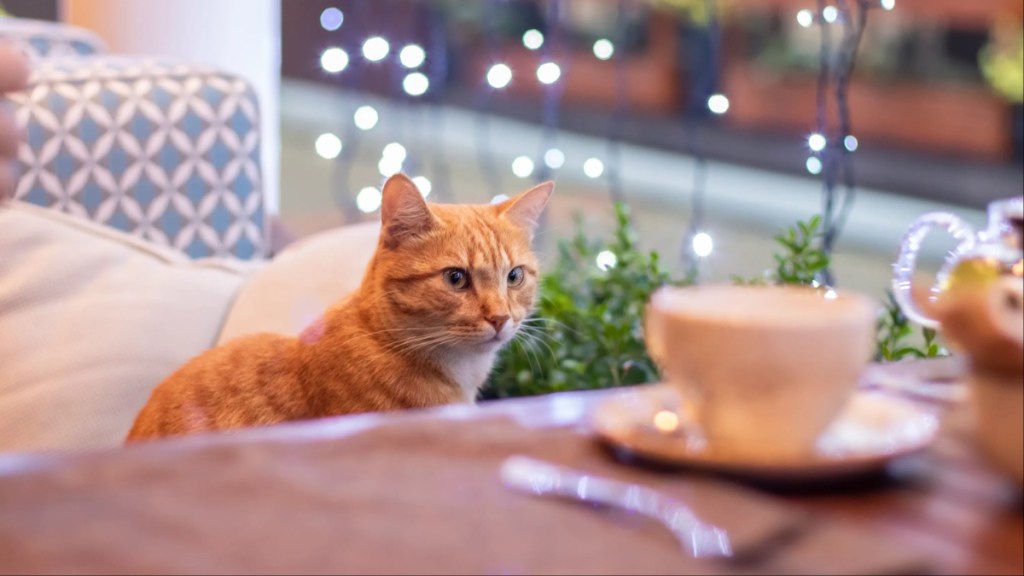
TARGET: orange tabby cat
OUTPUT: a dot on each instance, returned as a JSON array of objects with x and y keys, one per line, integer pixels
[{"x": 446, "y": 288}]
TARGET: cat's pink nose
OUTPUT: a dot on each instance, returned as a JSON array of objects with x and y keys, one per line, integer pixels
[{"x": 497, "y": 321}]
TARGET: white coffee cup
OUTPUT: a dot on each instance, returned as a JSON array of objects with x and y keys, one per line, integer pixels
[{"x": 763, "y": 369}]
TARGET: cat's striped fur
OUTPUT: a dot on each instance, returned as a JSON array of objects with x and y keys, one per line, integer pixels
[{"x": 446, "y": 288}]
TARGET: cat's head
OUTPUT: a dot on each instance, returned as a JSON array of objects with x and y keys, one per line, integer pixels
[{"x": 460, "y": 276}]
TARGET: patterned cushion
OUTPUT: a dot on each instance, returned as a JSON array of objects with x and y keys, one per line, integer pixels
[
  {"x": 40, "y": 39},
  {"x": 163, "y": 150}
]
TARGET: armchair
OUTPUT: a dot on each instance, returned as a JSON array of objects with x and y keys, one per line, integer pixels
[{"x": 137, "y": 239}]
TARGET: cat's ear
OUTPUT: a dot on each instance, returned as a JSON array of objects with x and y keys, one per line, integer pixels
[
  {"x": 403, "y": 211},
  {"x": 525, "y": 209}
]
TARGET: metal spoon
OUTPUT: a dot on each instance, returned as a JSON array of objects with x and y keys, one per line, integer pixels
[{"x": 697, "y": 538}]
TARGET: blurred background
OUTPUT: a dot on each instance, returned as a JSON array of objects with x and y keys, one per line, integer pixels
[{"x": 719, "y": 121}]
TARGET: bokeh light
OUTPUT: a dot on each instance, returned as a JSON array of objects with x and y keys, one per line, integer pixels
[
  {"x": 368, "y": 199},
  {"x": 331, "y": 19},
  {"x": 606, "y": 260},
  {"x": 389, "y": 166},
  {"x": 816, "y": 142},
  {"x": 424, "y": 184},
  {"x": 328, "y": 146},
  {"x": 805, "y": 18},
  {"x": 394, "y": 150},
  {"x": 702, "y": 244},
  {"x": 604, "y": 49},
  {"x": 533, "y": 39},
  {"x": 334, "y": 60},
  {"x": 366, "y": 117},
  {"x": 666, "y": 420},
  {"x": 718, "y": 103},
  {"x": 499, "y": 75},
  {"x": 549, "y": 73},
  {"x": 522, "y": 166},
  {"x": 554, "y": 158},
  {"x": 412, "y": 56},
  {"x": 593, "y": 167},
  {"x": 415, "y": 84},
  {"x": 376, "y": 49}
]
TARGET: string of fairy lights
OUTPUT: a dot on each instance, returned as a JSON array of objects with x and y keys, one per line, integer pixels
[
  {"x": 335, "y": 60},
  {"x": 829, "y": 151}
]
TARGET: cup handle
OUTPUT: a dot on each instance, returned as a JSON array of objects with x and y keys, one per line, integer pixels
[{"x": 910, "y": 245}]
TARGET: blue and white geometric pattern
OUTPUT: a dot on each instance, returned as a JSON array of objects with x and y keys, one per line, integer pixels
[
  {"x": 166, "y": 151},
  {"x": 39, "y": 39}
]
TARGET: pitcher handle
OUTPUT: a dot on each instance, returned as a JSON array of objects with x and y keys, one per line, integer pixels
[{"x": 903, "y": 269}]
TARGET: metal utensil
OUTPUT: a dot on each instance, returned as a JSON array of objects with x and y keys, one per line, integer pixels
[{"x": 539, "y": 478}]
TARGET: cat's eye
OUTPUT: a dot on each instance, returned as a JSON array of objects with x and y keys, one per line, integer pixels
[
  {"x": 516, "y": 276},
  {"x": 456, "y": 278}
]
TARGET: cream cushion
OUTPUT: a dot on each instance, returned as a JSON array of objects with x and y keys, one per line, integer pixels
[
  {"x": 302, "y": 281},
  {"x": 91, "y": 320}
]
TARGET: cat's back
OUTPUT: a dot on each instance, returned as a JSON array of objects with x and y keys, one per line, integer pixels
[{"x": 248, "y": 381}]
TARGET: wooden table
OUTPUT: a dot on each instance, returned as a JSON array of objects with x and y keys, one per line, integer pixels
[{"x": 308, "y": 498}]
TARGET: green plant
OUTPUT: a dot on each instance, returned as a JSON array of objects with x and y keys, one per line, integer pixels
[
  {"x": 799, "y": 261},
  {"x": 587, "y": 331},
  {"x": 895, "y": 336}
]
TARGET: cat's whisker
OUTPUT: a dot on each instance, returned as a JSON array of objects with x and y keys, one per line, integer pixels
[
  {"x": 404, "y": 329},
  {"x": 367, "y": 335},
  {"x": 422, "y": 342},
  {"x": 534, "y": 368},
  {"x": 533, "y": 331},
  {"x": 434, "y": 340},
  {"x": 430, "y": 344},
  {"x": 534, "y": 338},
  {"x": 530, "y": 351},
  {"x": 528, "y": 332},
  {"x": 545, "y": 321},
  {"x": 531, "y": 357},
  {"x": 537, "y": 322},
  {"x": 405, "y": 343}
]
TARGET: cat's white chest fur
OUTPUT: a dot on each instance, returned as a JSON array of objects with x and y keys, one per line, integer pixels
[{"x": 470, "y": 370}]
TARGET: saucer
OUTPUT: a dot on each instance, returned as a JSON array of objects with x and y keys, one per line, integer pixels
[{"x": 873, "y": 429}]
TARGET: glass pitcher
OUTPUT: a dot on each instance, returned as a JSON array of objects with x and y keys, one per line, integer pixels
[{"x": 994, "y": 251}]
